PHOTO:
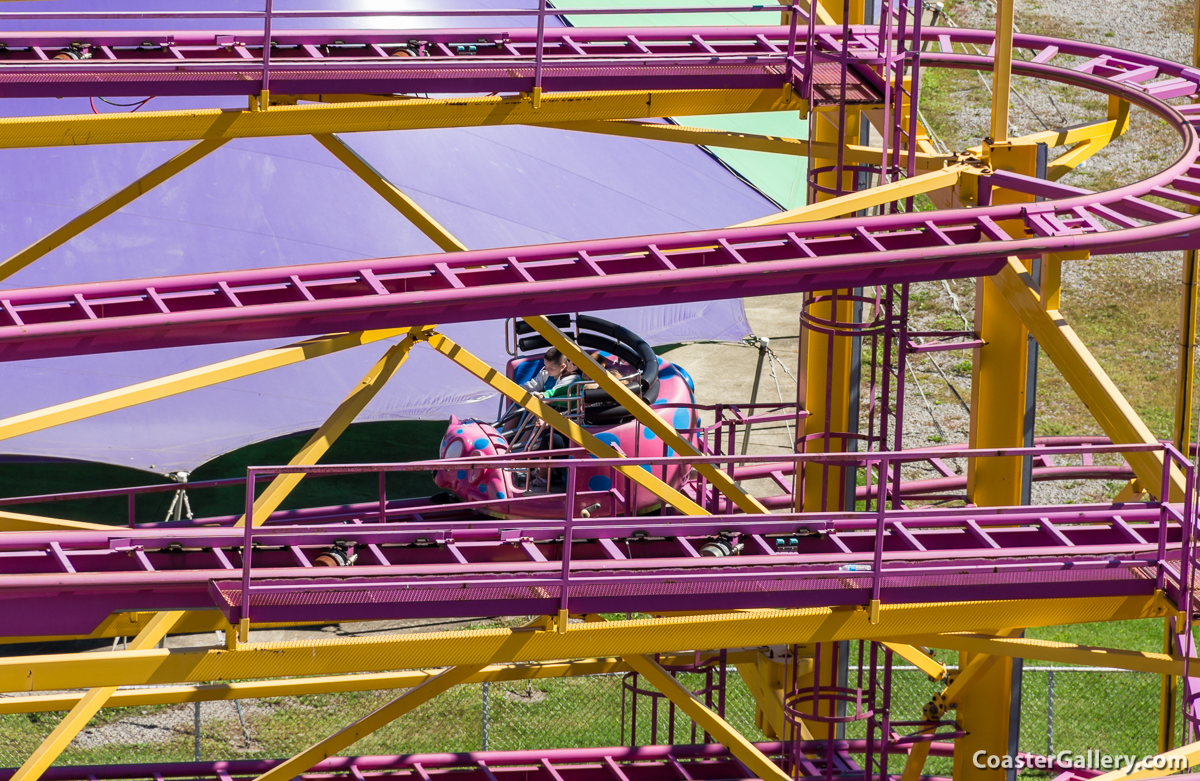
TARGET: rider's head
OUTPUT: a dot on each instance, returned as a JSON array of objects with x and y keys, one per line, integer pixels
[{"x": 557, "y": 364}]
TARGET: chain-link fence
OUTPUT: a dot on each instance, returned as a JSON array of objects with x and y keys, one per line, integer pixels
[
  {"x": 1063, "y": 708},
  {"x": 544, "y": 713}
]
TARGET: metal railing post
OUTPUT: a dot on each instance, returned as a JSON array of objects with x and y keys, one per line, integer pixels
[
  {"x": 382, "y": 496},
  {"x": 266, "y": 77},
  {"x": 1050, "y": 713},
  {"x": 568, "y": 532},
  {"x": 248, "y": 531},
  {"x": 539, "y": 53},
  {"x": 787, "y": 77},
  {"x": 880, "y": 527}
]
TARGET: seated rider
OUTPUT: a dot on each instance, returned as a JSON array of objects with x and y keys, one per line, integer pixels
[{"x": 554, "y": 365}]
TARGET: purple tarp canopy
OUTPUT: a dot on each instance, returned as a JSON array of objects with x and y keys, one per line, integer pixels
[{"x": 279, "y": 201}]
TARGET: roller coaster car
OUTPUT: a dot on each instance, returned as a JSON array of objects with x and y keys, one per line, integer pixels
[{"x": 532, "y": 493}]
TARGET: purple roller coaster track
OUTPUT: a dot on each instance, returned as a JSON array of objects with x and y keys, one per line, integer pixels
[{"x": 899, "y": 541}]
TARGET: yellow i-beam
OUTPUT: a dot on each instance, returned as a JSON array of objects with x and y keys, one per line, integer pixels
[
  {"x": 89, "y": 705},
  {"x": 330, "y": 746},
  {"x": 333, "y": 427},
  {"x": 192, "y": 379},
  {"x": 567, "y": 428},
  {"x": 725, "y": 734},
  {"x": 643, "y": 413}
]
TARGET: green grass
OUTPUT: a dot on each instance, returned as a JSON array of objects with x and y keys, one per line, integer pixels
[{"x": 554, "y": 713}]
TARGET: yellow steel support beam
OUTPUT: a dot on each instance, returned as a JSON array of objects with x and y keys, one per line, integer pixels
[
  {"x": 1189, "y": 277},
  {"x": 1084, "y": 374},
  {"x": 567, "y": 428},
  {"x": 915, "y": 764},
  {"x": 865, "y": 199},
  {"x": 266, "y": 504},
  {"x": 757, "y": 762},
  {"x": 112, "y": 203},
  {"x": 644, "y": 414},
  {"x": 683, "y": 134},
  {"x": 333, "y": 427},
  {"x": 181, "y": 382},
  {"x": 501, "y": 645},
  {"x": 293, "y": 687},
  {"x": 982, "y": 707},
  {"x": 1050, "y": 651},
  {"x": 390, "y": 193},
  {"x": 332, "y": 745},
  {"x": 1171, "y": 761},
  {"x": 824, "y": 366},
  {"x": 764, "y": 678},
  {"x": 1002, "y": 69},
  {"x": 313, "y": 119},
  {"x": 1166, "y": 694},
  {"x": 20, "y": 522},
  {"x": 1107, "y": 129},
  {"x": 88, "y": 705},
  {"x": 1105, "y": 133},
  {"x": 999, "y": 380},
  {"x": 919, "y": 659}
]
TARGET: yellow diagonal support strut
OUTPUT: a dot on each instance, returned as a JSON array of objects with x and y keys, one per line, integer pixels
[
  {"x": 1052, "y": 651},
  {"x": 643, "y": 413},
  {"x": 192, "y": 379},
  {"x": 390, "y": 193},
  {"x": 324, "y": 437},
  {"x": 88, "y": 705},
  {"x": 20, "y": 522},
  {"x": 1086, "y": 377},
  {"x": 335, "y": 743},
  {"x": 865, "y": 199},
  {"x": 919, "y": 659},
  {"x": 757, "y": 762},
  {"x": 725, "y": 139},
  {"x": 267, "y": 503},
  {"x": 567, "y": 428},
  {"x": 500, "y": 645},
  {"x": 112, "y": 203},
  {"x": 292, "y": 687},
  {"x": 1166, "y": 763}
]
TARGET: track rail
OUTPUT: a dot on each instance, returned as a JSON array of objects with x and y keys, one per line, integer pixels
[
  {"x": 704, "y": 265},
  {"x": 510, "y": 567},
  {"x": 399, "y": 61}
]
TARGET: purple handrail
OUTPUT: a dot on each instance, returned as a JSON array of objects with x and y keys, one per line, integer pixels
[{"x": 881, "y": 461}]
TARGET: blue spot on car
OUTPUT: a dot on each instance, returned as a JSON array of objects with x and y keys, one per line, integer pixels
[
  {"x": 599, "y": 483},
  {"x": 612, "y": 440},
  {"x": 499, "y": 494},
  {"x": 461, "y": 474},
  {"x": 682, "y": 419},
  {"x": 647, "y": 433},
  {"x": 481, "y": 443}
]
